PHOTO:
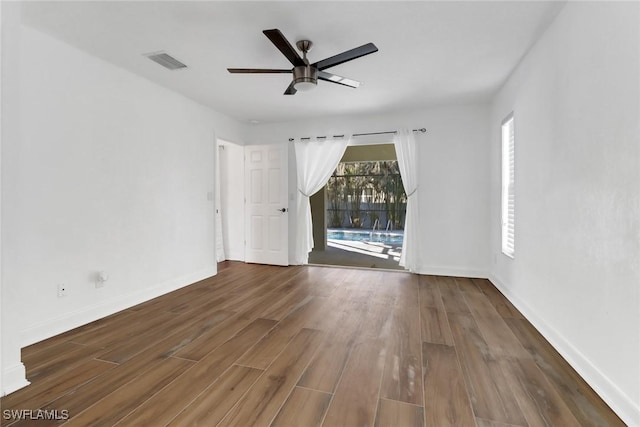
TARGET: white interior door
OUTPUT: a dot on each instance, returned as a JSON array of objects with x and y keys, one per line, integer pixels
[
  {"x": 267, "y": 217},
  {"x": 232, "y": 199},
  {"x": 220, "y": 244}
]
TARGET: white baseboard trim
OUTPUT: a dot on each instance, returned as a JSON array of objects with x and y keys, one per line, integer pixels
[
  {"x": 68, "y": 321},
  {"x": 622, "y": 405},
  {"x": 14, "y": 378},
  {"x": 235, "y": 256},
  {"x": 453, "y": 272}
]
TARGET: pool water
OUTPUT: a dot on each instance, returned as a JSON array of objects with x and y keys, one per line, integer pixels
[{"x": 390, "y": 238}]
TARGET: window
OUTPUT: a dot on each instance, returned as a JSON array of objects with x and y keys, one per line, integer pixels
[{"x": 508, "y": 187}]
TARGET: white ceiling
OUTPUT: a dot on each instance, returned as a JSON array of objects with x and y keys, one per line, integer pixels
[{"x": 429, "y": 52}]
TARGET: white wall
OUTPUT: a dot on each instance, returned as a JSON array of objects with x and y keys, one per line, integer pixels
[
  {"x": 106, "y": 171},
  {"x": 576, "y": 272},
  {"x": 454, "y": 178},
  {"x": 13, "y": 372},
  {"x": 1, "y": 322}
]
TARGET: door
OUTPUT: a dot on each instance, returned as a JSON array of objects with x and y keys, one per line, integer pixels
[
  {"x": 267, "y": 217},
  {"x": 220, "y": 244},
  {"x": 232, "y": 199}
]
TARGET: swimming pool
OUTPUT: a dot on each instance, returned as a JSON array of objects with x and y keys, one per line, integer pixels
[{"x": 390, "y": 238}]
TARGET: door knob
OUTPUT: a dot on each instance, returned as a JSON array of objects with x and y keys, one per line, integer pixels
[{"x": 283, "y": 210}]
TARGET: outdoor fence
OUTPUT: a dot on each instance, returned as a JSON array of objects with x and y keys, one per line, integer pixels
[
  {"x": 365, "y": 218},
  {"x": 366, "y": 195}
]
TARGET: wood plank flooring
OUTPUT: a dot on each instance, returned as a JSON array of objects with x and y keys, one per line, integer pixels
[{"x": 308, "y": 346}]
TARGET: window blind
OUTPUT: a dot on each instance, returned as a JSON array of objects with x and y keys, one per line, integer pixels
[{"x": 508, "y": 187}]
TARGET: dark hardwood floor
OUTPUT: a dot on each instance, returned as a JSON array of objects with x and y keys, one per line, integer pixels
[{"x": 308, "y": 346}]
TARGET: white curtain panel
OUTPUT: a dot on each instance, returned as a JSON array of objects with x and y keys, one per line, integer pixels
[
  {"x": 406, "y": 151},
  {"x": 315, "y": 162}
]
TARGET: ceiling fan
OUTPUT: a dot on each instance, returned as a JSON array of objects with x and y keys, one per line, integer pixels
[{"x": 305, "y": 75}]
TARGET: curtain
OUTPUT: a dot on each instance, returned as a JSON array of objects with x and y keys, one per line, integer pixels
[
  {"x": 406, "y": 151},
  {"x": 315, "y": 162}
]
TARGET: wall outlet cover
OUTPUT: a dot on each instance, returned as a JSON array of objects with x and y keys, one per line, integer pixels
[{"x": 62, "y": 290}]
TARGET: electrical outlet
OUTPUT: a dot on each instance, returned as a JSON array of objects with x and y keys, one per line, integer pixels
[{"x": 62, "y": 290}]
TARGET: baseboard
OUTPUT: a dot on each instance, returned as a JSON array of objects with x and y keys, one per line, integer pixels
[
  {"x": 622, "y": 405},
  {"x": 14, "y": 378},
  {"x": 452, "y": 272},
  {"x": 235, "y": 256},
  {"x": 68, "y": 321}
]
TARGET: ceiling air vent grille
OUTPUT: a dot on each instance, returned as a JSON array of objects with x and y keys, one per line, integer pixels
[{"x": 166, "y": 60}]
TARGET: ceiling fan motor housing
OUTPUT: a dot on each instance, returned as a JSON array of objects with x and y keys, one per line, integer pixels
[{"x": 305, "y": 77}]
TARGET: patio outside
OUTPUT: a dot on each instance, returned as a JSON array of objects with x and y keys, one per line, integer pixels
[{"x": 366, "y": 206}]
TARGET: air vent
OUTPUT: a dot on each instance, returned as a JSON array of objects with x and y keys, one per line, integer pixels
[{"x": 166, "y": 60}]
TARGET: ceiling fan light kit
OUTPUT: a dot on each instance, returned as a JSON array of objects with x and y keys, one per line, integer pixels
[
  {"x": 305, "y": 75},
  {"x": 305, "y": 78}
]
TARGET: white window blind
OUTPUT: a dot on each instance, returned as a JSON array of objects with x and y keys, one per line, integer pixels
[{"x": 508, "y": 187}]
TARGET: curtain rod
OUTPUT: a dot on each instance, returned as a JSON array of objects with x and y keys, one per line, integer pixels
[{"x": 423, "y": 130}]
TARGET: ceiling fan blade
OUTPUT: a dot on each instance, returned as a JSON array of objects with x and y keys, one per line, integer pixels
[
  {"x": 328, "y": 77},
  {"x": 290, "y": 90},
  {"x": 278, "y": 39},
  {"x": 256, "y": 71},
  {"x": 354, "y": 53}
]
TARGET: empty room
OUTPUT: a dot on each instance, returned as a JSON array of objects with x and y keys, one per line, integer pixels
[{"x": 319, "y": 213}]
